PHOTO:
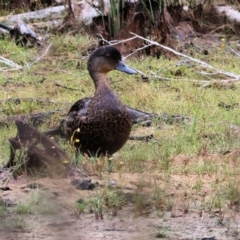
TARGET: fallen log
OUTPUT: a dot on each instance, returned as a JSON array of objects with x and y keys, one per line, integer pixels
[
  {"x": 229, "y": 13},
  {"x": 22, "y": 34},
  {"x": 87, "y": 12},
  {"x": 47, "y": 13},
  {"x": 39, "y": 155}
]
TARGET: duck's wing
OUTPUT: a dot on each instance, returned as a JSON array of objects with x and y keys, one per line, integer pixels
[
  {"x": 78, "y": 112},
  {"x": 138, "y": 116},
  {"x": 80, "y": 107},
  {"x": 76, "y": 115},
  {"x": 69, "y": 125}
]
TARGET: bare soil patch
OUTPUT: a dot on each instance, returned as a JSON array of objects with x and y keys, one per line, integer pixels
[{"x": 53, "y": 217}]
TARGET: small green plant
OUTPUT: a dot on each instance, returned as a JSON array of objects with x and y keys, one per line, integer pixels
[
  {"x": 3, "y": 210},
  {"x": 160, "y": 232},
  {"x": 96, "y": 205},
  {"x": 159, "y": 198},
  {"x": 19, "y": 223},
  {"x": 142, "y": 204},
  {"x": 24, "y": 209},
  {"x": 165, "y": 161},
  {"x": 37, "y": 198},
  {"x": 232, "y": 194},
  {"x": 198, "y": 185},
  {"x": 114, "y": 201},
  {"x": 79, "y": 208},
  {"x": 214, "y": 204}
]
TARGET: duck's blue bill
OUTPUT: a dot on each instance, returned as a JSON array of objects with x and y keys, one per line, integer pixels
[{"x": 124, "y": 68}]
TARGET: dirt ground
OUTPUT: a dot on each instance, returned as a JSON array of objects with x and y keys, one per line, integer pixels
[{"x": 55, "y": 219}]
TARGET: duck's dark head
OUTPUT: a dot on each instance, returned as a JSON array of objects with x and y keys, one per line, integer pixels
[{"x": 107, "y": 58}]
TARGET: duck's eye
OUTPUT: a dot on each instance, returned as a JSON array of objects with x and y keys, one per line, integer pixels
[{"x": 108, "y": 55}]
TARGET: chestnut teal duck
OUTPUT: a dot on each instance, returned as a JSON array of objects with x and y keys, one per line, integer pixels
[{"x": 101, "y": 125}]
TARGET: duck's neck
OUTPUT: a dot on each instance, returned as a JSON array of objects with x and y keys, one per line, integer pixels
[{"x": 99, "y": 79}]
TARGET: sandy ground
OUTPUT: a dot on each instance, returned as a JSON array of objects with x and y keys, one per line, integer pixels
[{"x": 55, "y": 219}]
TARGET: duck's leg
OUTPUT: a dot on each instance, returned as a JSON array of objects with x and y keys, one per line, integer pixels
[
  {"x": 110, "y": 164},
  {"x": 77, "y": 154}
]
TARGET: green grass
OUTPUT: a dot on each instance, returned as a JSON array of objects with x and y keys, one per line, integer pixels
[
  {"x": 19, "y": 223},
  {"x": 173, "y": 97},
  {"x": 24, "y": 209},
  {"x": 192, "y": 150}
]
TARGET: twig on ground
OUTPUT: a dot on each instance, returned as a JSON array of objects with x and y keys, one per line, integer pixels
[
  {"x": 16, "y": 66},
  {"x": 236, "y": 77},
  {"x": 3, "y": 69},
  {"x": 141, "y": 138},
  {"x": 68, "y": 88},
  {"x": 70, "y": 73},
  {"x": 138, "y": 49},
  {"x": 232, "y": 50},
  {"x": 115, "y": 42},
  {"x": 38, "y": 59},
  {"x": 143, "y": 74},
  {"x": 102, "y": 38},
  {"x": 207, "y": 74},
  {"x": 217, "y": 29},
  {"x": 154, "y": 75},
  {"x": 206, "y": 85},
  {"x": 10, "y": 63}
]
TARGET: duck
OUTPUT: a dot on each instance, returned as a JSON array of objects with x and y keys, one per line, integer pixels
[{"x": 100, "y": 126}]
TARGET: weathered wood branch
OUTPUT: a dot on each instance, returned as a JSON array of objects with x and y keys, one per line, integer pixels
[
  {"x": 236, "y": 77},
  {"x": 10, "y": 63},
  {"x": 40, "y": 152},
  {"x": 22, "y": 34},
  {"x": 50, "y": 13},
  {"x": 87, "y": 12},
  {"x": 228, "y": 12}
]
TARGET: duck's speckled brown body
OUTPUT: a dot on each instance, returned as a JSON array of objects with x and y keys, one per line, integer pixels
[{"x": 105, "y": 126}]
